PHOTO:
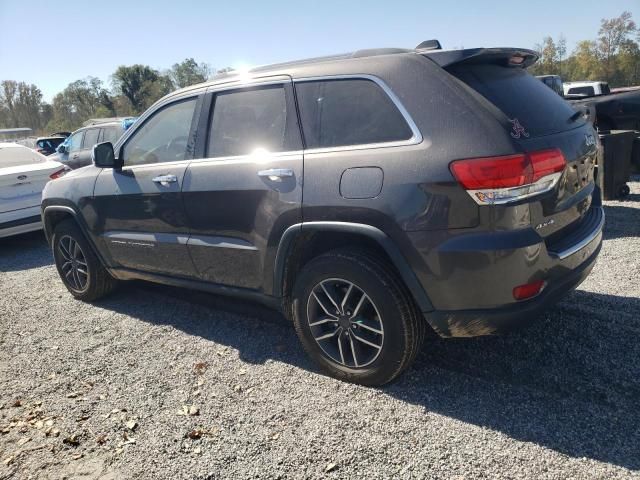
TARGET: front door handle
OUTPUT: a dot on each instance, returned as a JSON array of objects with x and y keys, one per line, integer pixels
[
  {"x": 276, "y": 174},
  {"x": 165, "y": 180}
]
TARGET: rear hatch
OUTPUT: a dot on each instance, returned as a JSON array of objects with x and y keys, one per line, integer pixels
[{"x": 537, "y": 119}]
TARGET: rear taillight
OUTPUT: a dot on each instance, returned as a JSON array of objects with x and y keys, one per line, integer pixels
[
  {"x": 509, "y": 178},
  {"x": 58, "y": 174},
  {"x": 530, "y": 290}
]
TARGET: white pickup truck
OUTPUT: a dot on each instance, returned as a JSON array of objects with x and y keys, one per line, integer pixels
[{"x": 585, "y": 89}]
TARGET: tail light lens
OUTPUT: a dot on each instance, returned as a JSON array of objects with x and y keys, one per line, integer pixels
[
  {"x": 530, "y": 290},
  {"x": 504, "y": 179},
  {"x": 58, "y": 174}
]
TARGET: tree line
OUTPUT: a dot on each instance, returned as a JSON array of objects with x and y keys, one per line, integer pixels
[
  {"x": 613, "y": 56},
  {"x": 133, "y": 89}
]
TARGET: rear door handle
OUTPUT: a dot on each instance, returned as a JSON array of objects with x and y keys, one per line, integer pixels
[
  {"x": 276, "y": 174},
  {"x": 165, "y": 180}
]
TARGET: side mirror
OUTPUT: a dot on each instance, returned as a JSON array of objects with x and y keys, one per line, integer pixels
[
  {"x": 104, "y": 157},
  {"x": 62, "y": 148}
]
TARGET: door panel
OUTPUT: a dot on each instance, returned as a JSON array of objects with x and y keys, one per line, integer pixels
[
  {"x": 142, "y": 221},
  {"x": 236, "y": 215},
  {"x": 139, "y": 212},
  {"x": 247, "y": 190}
]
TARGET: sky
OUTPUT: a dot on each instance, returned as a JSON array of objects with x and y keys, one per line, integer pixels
[{"x": 53, "y": 43}]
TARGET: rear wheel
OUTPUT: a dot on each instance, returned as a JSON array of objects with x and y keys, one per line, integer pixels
[
  {"x": 355, "y": 318},
  {"x": 79, "y": 268}
]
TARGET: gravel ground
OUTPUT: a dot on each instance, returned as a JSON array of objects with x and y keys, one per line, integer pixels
[{"x": 155, "y": 382}]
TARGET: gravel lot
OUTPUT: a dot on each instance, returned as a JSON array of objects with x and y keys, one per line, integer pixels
[{"x": 155, "y": 382}]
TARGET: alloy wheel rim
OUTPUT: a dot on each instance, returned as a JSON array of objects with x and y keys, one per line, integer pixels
[
  {"x": 345, "y": 323},
  {"x": 74, "y": 267}
]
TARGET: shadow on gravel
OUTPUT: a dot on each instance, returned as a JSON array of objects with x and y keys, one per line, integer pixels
[
  {"x": 22, "y": 252},
  {"x": 570, "y": 382},
  {"x": 621, "y": 221}
]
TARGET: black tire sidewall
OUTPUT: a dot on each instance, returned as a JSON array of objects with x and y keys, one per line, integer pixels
[
  {"x": 381, "y": 290},
  {"x": 69, "y": 228}
]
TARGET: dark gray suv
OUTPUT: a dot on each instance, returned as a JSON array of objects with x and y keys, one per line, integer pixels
[{"x": 370, "y": 196}]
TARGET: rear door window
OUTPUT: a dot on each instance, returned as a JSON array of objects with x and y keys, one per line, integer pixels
[
  {"x": 519, "y": 96},
  {"x": 348, "y": 112},
  {"x": 245, "y": 121},
  {"x": 91, "y": 137}
]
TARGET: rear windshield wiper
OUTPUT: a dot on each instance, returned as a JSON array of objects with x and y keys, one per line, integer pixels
[{"x": 576, "y": 116}]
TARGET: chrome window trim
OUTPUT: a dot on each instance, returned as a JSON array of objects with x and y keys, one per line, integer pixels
[
  {"x": 256, "y": 158},
  {"x": 251, "y": 82},
  {"x": 142, "y": 166},
  {"x": 415, "y": 139}
]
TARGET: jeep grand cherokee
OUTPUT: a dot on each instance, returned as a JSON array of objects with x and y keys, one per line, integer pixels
[{"x": 370, "y": 196}]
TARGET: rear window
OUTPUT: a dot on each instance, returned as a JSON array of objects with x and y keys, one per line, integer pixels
[
  {"x": 348, "y": 112},
  {"x": 519, "y": 96},
  {"x": 589, "y": 91},
  {"x": 15, "y": 156}
]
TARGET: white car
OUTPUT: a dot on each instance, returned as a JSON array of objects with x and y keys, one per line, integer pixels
[
  {"x": 23, "y": 175},
  {"x": 586, "y": 89}
]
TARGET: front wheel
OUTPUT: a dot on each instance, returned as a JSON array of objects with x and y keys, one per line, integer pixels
[
  {"x": 355, "y": 318},
  {"x": 78, "y": 266}
]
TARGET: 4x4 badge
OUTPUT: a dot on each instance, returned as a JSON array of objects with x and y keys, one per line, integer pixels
[
  {"x": 518, "y": 130},
  {"x": 589, "y": 140}
]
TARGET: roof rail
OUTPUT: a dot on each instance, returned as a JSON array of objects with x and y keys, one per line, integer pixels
[{"x": 429, "y": 45}]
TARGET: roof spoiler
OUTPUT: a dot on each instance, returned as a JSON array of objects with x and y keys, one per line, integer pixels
[{"x": 513, "y": 57}]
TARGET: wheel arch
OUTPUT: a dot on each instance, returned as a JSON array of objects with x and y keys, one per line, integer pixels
[
  {"x": 52, "y": 215},
  {"x": 324, "y": 236}
]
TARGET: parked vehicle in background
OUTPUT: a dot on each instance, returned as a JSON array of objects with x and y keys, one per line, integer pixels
[
  {"x": 23, "y": 174},
  {"x": 75, "y": 151},
  {"x": 48, "y": 145},
  {"x": 618, "y": 111},
  {"x": 586, "y": 89},
  {"x": 554, "y": 82},
  {"x": 60, "y": 134},
  {"x": 448, "y": 189}
]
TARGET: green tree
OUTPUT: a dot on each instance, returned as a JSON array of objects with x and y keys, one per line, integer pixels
[
  {"x": 586, "y": 62},
  {"x": 21, "y": 104},
  {"x": 561, "y": 48},
  {"x": 189, "y": 72},
  {"x": 141, "y": 85},
  {"x": 79, "y": 101},
  {"x": 613, "y": 33},
  {"x": 628, "y": 64}
]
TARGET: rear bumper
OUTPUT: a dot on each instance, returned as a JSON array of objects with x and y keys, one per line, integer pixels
[{"x": 479, "y": 301}]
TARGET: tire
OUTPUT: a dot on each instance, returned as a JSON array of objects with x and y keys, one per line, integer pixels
[
  {"x": 375, "y": 342},
  {"x": 624, "y": 191},
  {"x": 95, "y": 282}
]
